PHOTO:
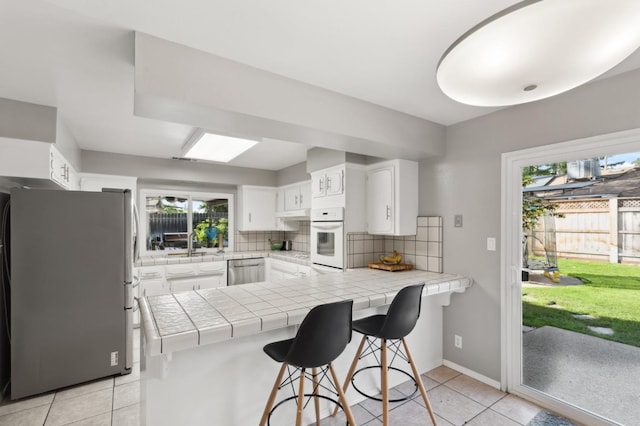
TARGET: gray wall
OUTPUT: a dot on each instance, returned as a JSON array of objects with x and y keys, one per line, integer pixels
[
  {"x": 467, "y": 181},
  {"x": 22, "y": 120},
  {"x": 41, "y": 123},
  {"x": 321, "y": 158},
  {"x": 67, "y": 145},
  {"x": 293, "y": 174}
]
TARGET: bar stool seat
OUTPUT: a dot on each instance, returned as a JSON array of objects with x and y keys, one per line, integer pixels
[
  {"x": 391, "y": 329},
  {"x": 321, "y": 338}
]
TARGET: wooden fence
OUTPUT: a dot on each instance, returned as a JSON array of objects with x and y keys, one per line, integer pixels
[
  {"x": 597, "y": 229},
  {"x": 162, "y": 223}
]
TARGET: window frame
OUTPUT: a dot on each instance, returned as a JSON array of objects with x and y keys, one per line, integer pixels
[{"x": 190, "y": 196}]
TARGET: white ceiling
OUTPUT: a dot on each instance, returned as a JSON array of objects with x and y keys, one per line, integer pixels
[{"x": 77, "y": 55}]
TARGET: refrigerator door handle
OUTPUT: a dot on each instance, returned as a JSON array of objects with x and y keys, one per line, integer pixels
[
  {"x": 136, "y": 233},
  {"x": 128, "y": 248},
  {"x": 128, "y": 320},
  {"x": 128, "y": 295}
]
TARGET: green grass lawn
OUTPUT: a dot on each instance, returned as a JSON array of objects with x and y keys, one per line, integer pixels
[{"x": 610, "y": 293}]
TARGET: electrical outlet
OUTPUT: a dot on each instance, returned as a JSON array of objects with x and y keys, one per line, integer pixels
[
  {"x": 457, "y": 341},
  {"x": 457, "y": 221}
]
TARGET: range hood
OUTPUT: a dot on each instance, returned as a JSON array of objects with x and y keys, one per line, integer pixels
[{"x": 300, "y": 214}]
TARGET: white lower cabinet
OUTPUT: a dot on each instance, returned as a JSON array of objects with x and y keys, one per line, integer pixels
[
  {"x": 183, "y": 284},
  {"x": 154, "y": 287},
  {"x": 212, "y": 281},
  {"x": 283, "y": 270},
  {"x": 156, "y": 280},
  {"x": 306, "y": 271},
  {"x": 212, "y": 275}
]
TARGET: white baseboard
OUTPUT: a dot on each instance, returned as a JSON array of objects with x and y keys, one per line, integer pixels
[{"x": 484, "y": 379}]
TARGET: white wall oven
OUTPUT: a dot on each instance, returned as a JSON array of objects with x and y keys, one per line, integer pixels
[{"x": 327, "y": 237}]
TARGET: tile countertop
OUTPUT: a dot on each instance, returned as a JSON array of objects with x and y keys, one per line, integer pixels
[
  {"x": 165, "y": 258},
  {"x": 184, "y": 320}
]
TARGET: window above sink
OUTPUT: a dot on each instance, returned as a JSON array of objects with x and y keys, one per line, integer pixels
[{"x": 169, "y": 218}]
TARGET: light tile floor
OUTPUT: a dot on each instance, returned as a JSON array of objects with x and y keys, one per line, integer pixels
[
  {"x": 456, "y": 399},
  {"x": 113, "y": 401}
]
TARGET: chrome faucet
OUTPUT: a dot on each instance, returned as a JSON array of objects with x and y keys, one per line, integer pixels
[{"x": 190, "y": 249}]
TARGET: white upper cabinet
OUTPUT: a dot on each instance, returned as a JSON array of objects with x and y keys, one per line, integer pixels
[
  {"x": 297, "y": 196},
  {"x": 328, "y": 182},
  {"x": 335, "y": 181},
  {"x": 256, "y": 208},
  {"x": 380, "y": 200},
  {"x": 27, "y": 160},
  {"x": 305, "y": 195},
  {"x": 342, "y": 186},
  {"x": 392, "y": 198}
]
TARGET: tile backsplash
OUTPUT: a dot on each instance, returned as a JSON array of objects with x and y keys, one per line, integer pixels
[
  {"x": 259, "y": 240},
  {"x": 300, "y": 239},
  {"x": 423, "y": 250},
  {"x": 256, "y": 240}
]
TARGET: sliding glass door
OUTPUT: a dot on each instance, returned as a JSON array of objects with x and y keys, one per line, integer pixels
[{"x": 551, "y": 354}]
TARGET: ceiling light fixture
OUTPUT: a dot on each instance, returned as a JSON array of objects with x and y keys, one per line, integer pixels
[
  {"x": 537, "y": 49},
  {"x": 212, "y": 147}
]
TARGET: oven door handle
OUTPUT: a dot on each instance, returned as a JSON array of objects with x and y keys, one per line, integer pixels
[{"x": 327, "y": 225}]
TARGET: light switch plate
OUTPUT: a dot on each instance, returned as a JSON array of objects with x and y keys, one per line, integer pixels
[
  {"x": 491, "y": 244},
  {"x": 457, "y": 221}
]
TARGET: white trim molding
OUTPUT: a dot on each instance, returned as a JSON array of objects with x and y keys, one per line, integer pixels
[
  {"x": 479, "y": 377},
  {"x": 511, "y": 256}
]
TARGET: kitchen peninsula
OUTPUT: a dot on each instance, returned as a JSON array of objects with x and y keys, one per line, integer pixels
[{"x": 202, "y": 360}]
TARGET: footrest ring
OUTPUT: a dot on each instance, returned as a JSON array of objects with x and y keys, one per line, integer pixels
[
  {"x": 353, "y": 382},
  {"x": 306, "y": 395}
]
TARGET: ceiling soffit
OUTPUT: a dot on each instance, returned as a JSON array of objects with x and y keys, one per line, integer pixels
[{"x": 184, "y": 85}]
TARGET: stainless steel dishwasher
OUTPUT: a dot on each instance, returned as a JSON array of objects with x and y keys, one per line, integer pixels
[{"x": 243, "y": 271}]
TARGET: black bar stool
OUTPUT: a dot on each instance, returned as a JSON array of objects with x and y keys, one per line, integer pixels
[
  {"x": 321, "y": 338},
  {"x": 391, "y": 329}
]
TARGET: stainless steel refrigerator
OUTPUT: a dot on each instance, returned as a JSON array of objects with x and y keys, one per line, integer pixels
[{"x": 71, "y": 288}]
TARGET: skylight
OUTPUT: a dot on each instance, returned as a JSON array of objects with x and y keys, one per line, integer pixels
[{"x": 212, "y": 147}]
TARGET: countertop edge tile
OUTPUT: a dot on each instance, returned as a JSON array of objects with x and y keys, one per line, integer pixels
[{"x": 368, "y": 288}]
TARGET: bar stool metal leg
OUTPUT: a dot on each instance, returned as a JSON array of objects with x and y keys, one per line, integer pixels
[
  {"x": 272, "y": 396},
  {"x": 416, "y": 374}
]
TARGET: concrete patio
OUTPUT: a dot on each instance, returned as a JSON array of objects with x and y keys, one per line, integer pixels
[{"x": 592, "y": 373}]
